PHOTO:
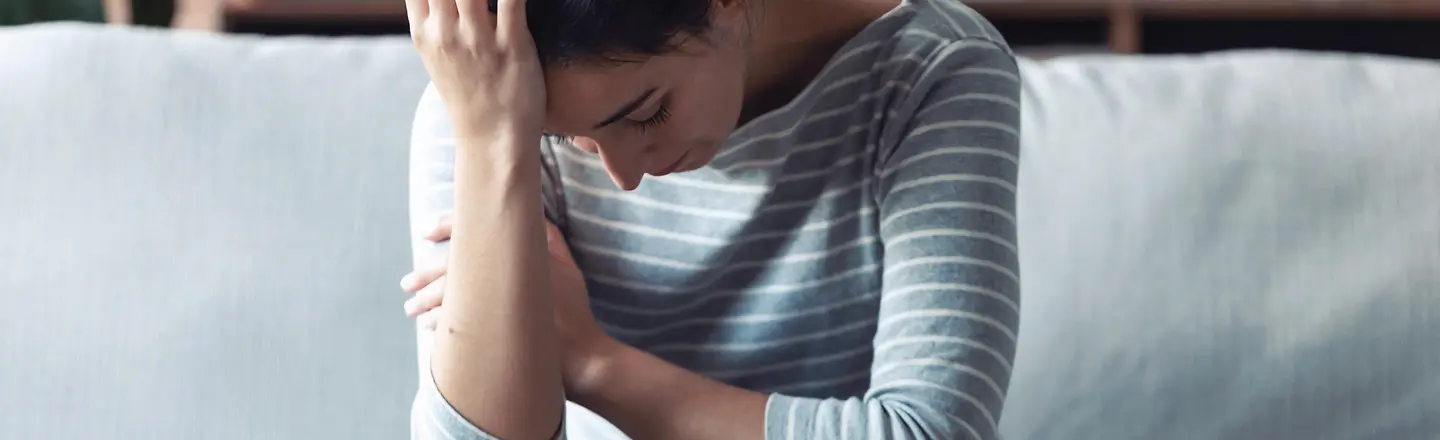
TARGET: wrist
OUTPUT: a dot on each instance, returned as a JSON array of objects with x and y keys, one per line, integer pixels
[
  {"x": 479, "y": 125},
  {"x": 500, "y": 148}
]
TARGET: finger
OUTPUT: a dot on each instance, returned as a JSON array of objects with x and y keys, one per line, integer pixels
[
  {"x": 416, "y": 10},
  {"x": 444, "y": 10},
  {"x": 442, "y": 230},
  {"x": 474, "y": 12},
  {"x": 429, "y": 298},
  {"x": 414, "y": 281},
  {"x": 511, "y": 19}
]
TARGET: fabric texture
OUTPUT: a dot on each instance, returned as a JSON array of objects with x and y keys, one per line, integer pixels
[
  {"x": 200, "y": 235},
  {"x": 1238, "y": 246},
  {"x": 852, "y": 253},
  {"x": 200, "y": 238}
]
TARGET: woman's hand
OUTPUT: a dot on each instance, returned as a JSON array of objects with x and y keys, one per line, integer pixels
[
  {"x": 584, "y": 341},
  {"x": 483, "y": 64}
]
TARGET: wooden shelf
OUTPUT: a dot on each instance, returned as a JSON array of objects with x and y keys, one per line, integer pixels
[
  {"x": 1029, "y": 9},
  {"x": 1120, "y": 25},
  {"x": 1125, "y": 19},
  {"x": 1213, "y": 9}
]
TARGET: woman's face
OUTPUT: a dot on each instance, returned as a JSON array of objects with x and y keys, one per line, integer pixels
[{"x": 665, "y": 114}]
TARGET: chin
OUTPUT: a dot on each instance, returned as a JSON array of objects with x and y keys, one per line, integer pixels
[{"x": 701, "y": 156}]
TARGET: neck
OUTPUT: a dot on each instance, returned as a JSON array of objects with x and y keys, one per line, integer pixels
[{"x": 790, "y": 43}]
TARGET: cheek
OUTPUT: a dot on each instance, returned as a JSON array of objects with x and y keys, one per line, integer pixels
[{"x": 711, "y": 105}]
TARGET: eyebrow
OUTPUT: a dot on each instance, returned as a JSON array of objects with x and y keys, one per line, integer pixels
[{"x": 626, "y": 110}]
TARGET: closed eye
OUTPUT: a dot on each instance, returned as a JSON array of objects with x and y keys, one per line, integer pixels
[{"x": 661, "y": 115}]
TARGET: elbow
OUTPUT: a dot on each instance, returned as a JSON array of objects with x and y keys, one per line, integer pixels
[{"x": 908, "y": 418}]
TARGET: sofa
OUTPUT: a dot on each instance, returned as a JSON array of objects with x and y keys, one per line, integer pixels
[{"x": 201, "y": 237}]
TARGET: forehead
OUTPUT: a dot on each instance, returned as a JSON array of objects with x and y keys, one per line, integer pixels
[{"x": 579, "y": 96}]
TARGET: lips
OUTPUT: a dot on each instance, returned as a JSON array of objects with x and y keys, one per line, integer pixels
[{"x": 673, "y": 166}]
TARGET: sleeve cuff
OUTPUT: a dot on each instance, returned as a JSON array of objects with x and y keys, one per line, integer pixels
[{"x": 432, "y": 418}]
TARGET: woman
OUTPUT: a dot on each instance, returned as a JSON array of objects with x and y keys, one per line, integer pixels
[{"x": 824, "y": 249}]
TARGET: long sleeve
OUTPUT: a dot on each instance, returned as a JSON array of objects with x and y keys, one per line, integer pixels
[
  {"x": 432, "y": 165},
  {"x": 945, "y": 184}
]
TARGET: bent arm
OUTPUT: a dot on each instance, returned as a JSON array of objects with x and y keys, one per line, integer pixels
[
  {"x": 950, "y": 301},
  {"x": 490, "y": 369}
]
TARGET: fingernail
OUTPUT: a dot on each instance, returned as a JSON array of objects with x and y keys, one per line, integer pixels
[{"x": 407, "y": 282}]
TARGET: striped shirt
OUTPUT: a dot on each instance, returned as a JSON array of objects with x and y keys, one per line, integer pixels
[{"x": 853, "y": 253}]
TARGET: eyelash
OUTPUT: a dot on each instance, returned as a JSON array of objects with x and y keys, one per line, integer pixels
[{"x": 661, "y": 115}]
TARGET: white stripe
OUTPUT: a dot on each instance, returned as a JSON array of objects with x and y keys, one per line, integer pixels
[
  {"x": 671, "y": 206},
  {"x": 921, "y": 404},
  {"x": 891, "y": 343},
  {"x": 893, "y": 319},
  {"x": 633, "y": 257},
  {"x": 970, "y": 97},
  {"x": 820, "y": 225},
  {"x": 946, "y": 151},
  {"x": 920, "y": 261},
  {"x": 964, "y": 124},
  {"x": 947, "y": 205},
  {"x": 896, "y": 294},
  {"x": 952, "y": 178},
  {"x": 889, "y": 88},
  {"x": 831, "y": 169},
  {"x": 594, "y": 162},
  {"x": 641, "y": 229},
  {"x": 784, "y": 110},
  {"x": 572, "y": 184},
  {"x": 752, "y": 372},
  {"x": 937, "y": 362},
  {"x": 933, "y": 233},
  {"x": 987, "y": 71},
  {"x": 789, "y": 151},
  {"x": 926, "y": 34},
  {"x": 730, "y": 266},
  {"x": 899, "y": 384},
  {"x": 752, "y": 318},
  {"x": 768, "y": 289},
  {"x": 772, "y": 343}
]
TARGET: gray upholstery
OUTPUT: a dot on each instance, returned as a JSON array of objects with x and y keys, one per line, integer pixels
[{"x": 200, "y": 237}]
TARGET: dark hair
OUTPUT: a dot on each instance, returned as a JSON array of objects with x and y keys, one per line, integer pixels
[{"x": 583, "y": 31}]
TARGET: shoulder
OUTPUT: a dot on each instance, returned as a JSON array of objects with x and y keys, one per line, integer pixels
[
  {"x": 948, "y": 77},
  {"x": 935, "y": 51},
  {"x": 927, "y": 40},
  {"x": 929, "y": 49}
]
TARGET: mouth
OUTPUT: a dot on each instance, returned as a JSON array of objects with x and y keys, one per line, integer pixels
[{"x": 673, "y": 166}]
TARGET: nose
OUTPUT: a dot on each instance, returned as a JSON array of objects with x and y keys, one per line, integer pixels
[
  {"x": 586, "y": 144},
  {"x": 625, "y": 168}
]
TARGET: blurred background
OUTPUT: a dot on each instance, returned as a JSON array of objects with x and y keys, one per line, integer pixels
[{"x": 1041, "y": 27}]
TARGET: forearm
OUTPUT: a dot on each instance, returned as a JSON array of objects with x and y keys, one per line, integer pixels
[
  {"x": 495, "y": 356},
  {"x": 651, "y": 399}
]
